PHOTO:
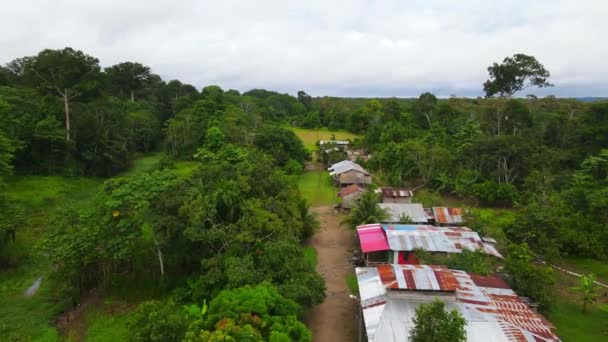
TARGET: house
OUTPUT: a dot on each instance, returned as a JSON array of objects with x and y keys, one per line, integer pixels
[
  {"x": 449, "y": 216},
  {"x": 396, "y": 243},
  {"x": 395, "y": 195},
  {"x": 354, "y": 155},
  {"x": 350, "y": 195},
  {"x": 390, "y": 294},
  {"x": 346, "y": 173},
  {"x": 341, "y": 144},
  {"x": 397, "y": 212}
]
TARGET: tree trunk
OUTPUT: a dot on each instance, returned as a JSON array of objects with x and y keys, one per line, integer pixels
[
  {"x": 160, "y": 260},
  {"x": 66, "y": 105},
  {"x": 132, "y": 96},
  {"x": 429, "y": 120}
]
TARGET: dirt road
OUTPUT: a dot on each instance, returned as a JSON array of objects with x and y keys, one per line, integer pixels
[{"x": 335, "y": 320}]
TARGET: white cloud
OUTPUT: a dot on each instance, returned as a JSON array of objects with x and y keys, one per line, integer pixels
[{"x": 356, "y": 47}]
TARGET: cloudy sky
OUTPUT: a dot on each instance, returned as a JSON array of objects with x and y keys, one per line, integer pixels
[{"x": 326, "y": 47}]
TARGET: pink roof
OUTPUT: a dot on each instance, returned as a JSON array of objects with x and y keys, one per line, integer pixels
[{"x": 372, "y": 238}]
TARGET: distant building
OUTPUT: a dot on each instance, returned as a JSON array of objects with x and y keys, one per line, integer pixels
[
  {"x": 350, "y": 195},
  {"x": 354, "y": 155},
  {"x": 397, "y": 243},
  {"x": 395, "y": 195},
  {"x": 346, "y": 173},
  {"x": 399, "y": 211},
  {"x": 343, "y": 144},
  {"x": 390, "y": 294}
]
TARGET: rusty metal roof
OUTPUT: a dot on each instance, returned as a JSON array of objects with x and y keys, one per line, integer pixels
[
  {"x": 351, "y": 189},
  {"x": 390, "y": 295},
  {"x": 448, "y": 215},
  {"x": 395, "y": 192},
  {"x": 407, "y": 237}
]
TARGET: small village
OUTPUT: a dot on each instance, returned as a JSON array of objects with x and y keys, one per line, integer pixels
[{"x": 393, "y": 280}]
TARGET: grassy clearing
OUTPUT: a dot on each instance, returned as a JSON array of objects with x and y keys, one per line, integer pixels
[
  {"x": 102, "y": 327},
  {"x": 310, "y": 254},
  {"x": 317, "y": 189},
  {"x": 586, "y": 266},
  {"x": 353, "y": 286},
  {"x": 311, "y": 136}
]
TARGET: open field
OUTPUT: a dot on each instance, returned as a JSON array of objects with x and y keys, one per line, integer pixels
[
  {"x": 317, "y": 189},
  {"x": 310, "y": 136}
]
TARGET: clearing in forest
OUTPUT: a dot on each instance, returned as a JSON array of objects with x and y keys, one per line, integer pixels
[{"x": 310, "y": 136}]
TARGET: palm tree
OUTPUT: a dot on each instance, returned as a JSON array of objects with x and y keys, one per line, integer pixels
[
  {"x": 310, "y": 223},
  {"x": 588, "y": 290},
  {"x": 366, "y": 211}
]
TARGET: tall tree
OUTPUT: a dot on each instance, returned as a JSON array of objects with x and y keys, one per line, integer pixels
[
  {"x": 128, "y": 76},
  {"x": 305, "y": 99},
  {"x": 434, "y": 323},
  {"x": 67, "y": 73},
  {"x": 515, "y": 74}
]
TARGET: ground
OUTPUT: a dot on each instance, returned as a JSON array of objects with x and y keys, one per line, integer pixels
[
  {"x": 336, "y": 318},
  {"x": 316, "y": 187},
  {"x": 310, "y": 136}
]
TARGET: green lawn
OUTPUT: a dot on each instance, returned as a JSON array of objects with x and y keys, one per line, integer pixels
[
  {"x": 317, "y": 189},
  {"x": 102, "y": 327},
  {"x": 310, "y": 254},
  {"x": 311, "y": 136}
]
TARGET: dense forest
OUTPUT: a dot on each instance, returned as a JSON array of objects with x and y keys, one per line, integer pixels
[{"x": 222, "y": 240}]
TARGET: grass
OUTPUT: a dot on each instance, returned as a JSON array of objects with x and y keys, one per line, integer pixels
[
  {"x": 310, "y": 136},
  {"x": 317, "y": 189},
  {"x": 310, "y": 254},
  {"x": 353, "y": 285},
  {"x": 586, "y": 266},
  {"x": 102, "y": 327}
]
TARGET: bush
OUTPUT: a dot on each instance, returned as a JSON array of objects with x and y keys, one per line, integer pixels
[{"x": 157, "y": 321}]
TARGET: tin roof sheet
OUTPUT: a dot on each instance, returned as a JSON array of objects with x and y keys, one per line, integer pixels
[
  {"x": 492, "y": 310},
  {"x": 448, "y": 215},
  {"x": 372, "y": 238},
  {"x": 344, "y": 166},
  {"x": 395, "y": 192},
  {"x": 407, "y": 237},
  {"x": 351, "y": 189},
  {"x": 414, "y": 211}
]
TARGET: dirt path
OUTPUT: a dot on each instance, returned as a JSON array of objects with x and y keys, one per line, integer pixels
[{"x": 335, "y": 320}]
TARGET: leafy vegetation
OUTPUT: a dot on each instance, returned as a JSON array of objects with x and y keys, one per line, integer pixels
[{"x": 434, "y": 323}]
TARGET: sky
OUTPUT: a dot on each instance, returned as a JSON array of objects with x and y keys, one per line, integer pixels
[{"x": 325, "y": 47}]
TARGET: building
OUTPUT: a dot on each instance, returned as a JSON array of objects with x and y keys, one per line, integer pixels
[
  {"x": 354, "y": 155},
  {"x": 395, "y": 195},
  {"x": 390, "y": 294},
  {"x": 346, "y": 173},
  {"x": 342, "y": 144},
  {"x": 448, "y": 216},
  {"x": 397, "y": 212},
  {"x": 396, "y": 243},
  {"x": 350, "y": 195}
]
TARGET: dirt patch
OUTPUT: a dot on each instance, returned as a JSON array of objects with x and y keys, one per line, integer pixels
[
  {"x": 73, "y": 323},
  {"x": 334, "y": 320}
]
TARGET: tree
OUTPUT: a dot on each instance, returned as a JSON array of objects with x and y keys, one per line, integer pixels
[
  {"x": 6, "y": 157},
  {"x": 424, "y": 108},
  {"x": 515, "y": 74},
  {"x": 128, "y": 76},
  {"x": 433, "y": 323},
  {"x": 67, "y": 73},
  {"x": 157, "y": 321},
  {"x": 305, "y": 99},
  {"x": 587, "y": 290},
  {"x": 366, "y": 211}
]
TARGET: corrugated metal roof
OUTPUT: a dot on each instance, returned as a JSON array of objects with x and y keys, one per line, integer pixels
[
  {"x": 372, "y": 238},
  {"x": 344, "y": 166},
  {"x": 395, "y": 192},
  {"x": 405, "y": 237},
  {"x": 390, "y": 295},
  {"x": 415, "y": 211},
  {"x": 334, "y": 142},
  {"x": 351, "y": 189},
  {"x": 448, "y": 215}
]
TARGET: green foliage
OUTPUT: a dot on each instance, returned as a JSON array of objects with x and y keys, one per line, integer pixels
[
  {"x": 282, "y": 144},
  {"x": 352, "y": 284},
  {"x": 250, "y": 314},
  {"x": 515, "y": 74},
  {"x": 529, "y": 279},
  {"x": 366, "y": 211},
  {"x": 157, "y": 321},
  {"x": 433, "y": 323},
  {"x": 476, "y": 261},
  {"x": 588, "y": 290}
]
